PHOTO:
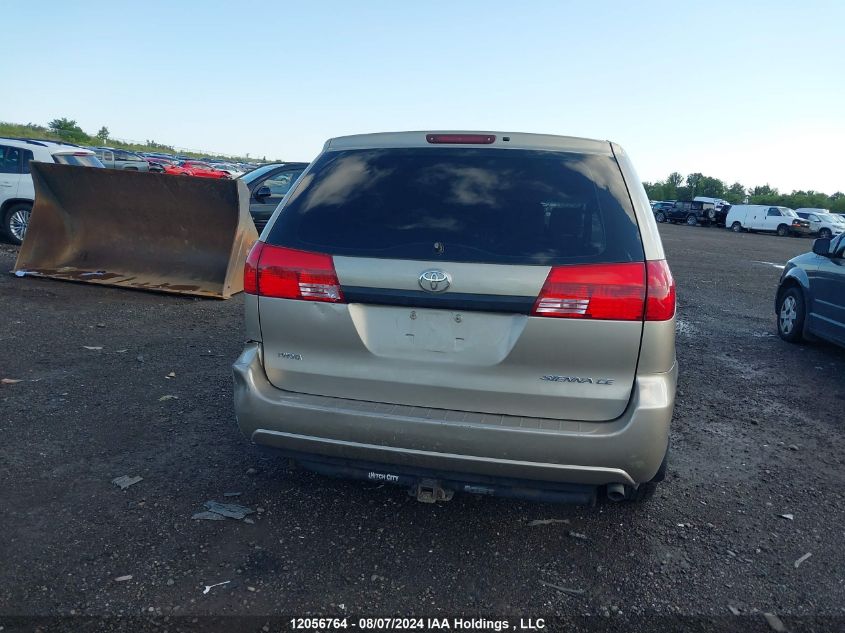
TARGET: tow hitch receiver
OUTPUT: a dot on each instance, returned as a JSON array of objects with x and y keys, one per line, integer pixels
[{"x": 430, "y": 491}]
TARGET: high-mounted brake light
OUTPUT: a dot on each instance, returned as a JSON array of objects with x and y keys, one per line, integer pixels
[
  {"x": 461, "y": 139},
  {"x": 285, "y": 273},
  {"x": 594, "y": 291}
]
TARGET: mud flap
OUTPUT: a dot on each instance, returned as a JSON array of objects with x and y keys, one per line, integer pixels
[{"x": 147, "y": 231}]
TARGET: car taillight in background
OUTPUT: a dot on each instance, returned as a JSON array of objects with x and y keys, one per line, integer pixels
[
  {"x": 618, "y": 292},
  {"x": 285, "y": 273}
]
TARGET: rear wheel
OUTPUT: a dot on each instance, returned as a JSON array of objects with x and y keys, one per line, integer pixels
[
  {"x": 791, "y": 315},
  {"x": 825, "y": 234},
  {"x": 692, "y": 220},
  {"x": 736, "y": 227},
  {"x": 660, "y": 217},
  {"x": 783, "y": 230},
  {"x": 16, "y": 220}
]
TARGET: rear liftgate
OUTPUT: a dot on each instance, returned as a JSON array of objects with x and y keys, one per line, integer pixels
[{"x": 146, "y": 231}]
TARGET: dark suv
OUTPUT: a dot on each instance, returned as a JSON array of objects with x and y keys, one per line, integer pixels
[
  {"x": 810, "y": 300},
  {"x": 692, "y": 212}
]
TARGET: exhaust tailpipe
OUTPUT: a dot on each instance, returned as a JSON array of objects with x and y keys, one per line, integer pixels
[{"x": 616, "y": 492}]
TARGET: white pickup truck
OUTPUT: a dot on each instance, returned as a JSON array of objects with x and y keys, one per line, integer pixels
[{"x": 114, "y": 158}]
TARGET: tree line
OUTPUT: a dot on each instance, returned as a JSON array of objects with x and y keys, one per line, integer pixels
[{"x": 677, "y": 187}]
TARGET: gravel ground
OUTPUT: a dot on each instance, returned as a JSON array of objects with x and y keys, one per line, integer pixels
[{"x": 757, "y": 435}]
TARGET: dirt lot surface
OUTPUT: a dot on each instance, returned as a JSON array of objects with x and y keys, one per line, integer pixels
[{"x": 757, "y": 435}]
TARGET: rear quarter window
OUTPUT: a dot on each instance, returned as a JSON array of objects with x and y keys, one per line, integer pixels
[
  {"x": 82, "y": 160},
  {"x": 463, "y": 205}
]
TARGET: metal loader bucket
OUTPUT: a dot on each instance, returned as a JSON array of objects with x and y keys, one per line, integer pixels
[{"x": 139, "y": 230}]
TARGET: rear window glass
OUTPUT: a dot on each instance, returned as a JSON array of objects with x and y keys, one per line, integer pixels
[
  {"x": 462, "y": 205},
  {"x": 83, "y": 160}
]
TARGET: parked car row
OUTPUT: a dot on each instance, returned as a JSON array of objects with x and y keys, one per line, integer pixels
[
  {"x": 750, "y": 217},
  {"x": 195, "y": 168},
  {"x": 116, "y": 158},
  {"x": 232, "y": 169}
]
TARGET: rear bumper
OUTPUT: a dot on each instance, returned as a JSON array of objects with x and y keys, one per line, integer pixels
[{"x": 628, "y": 450}]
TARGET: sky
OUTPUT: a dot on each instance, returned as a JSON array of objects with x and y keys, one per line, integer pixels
[{"x": 745, "y": 91}]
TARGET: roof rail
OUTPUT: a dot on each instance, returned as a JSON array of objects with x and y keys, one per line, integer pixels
[
  {"x": 25, "y": 140},
  {"x": 42, "y": 141}
]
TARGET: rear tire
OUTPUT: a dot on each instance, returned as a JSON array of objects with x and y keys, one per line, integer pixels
[
  {"x": 783, "y": 230},
  {"x": 16, "y": 221},
  {"x": 791, "y": 314},
  {"x": 825, "y": 234},
  {"x": 660, "y": 217},
  {"x": 692, "y": 220},
  {"x": 736, "y": 227}
]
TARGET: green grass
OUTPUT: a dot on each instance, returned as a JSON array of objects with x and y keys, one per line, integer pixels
[{"x": 31, "y": 130}]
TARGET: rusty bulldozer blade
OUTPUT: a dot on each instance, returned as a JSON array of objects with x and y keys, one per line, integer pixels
[{"x": 147, "y": 231}]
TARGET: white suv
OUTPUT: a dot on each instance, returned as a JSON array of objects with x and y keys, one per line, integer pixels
[
  {"x": 822, "y": 222},
  {"x": 17, "y": 192}
]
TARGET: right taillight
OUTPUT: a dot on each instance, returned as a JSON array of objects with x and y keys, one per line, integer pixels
[
  {"x": 660, "y": 298},
  {"x": 593, "y": 291},
  {"x": 286, "y": 273},
  {"x": 614, "y": 292}
]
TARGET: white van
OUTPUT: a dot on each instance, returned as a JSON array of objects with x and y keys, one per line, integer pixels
[
  {"x": 763, "y": 217},
  {"x": 822, "y": 222}
]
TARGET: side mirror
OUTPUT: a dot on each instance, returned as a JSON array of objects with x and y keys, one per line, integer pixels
[
  {"x": 822, "y": 247},
  {"x": 264, "y": 192}
]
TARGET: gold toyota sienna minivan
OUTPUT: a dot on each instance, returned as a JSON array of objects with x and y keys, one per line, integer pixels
[{"x": 461, "y": 311}]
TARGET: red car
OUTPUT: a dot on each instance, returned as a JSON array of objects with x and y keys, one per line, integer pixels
[{"x": 194, "y": 168}]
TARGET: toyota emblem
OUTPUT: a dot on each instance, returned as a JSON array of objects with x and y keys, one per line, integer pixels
[{"x": 435, "y": 281}]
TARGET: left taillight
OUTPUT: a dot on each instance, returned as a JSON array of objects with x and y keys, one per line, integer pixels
[
  {"x": 251, "y": 268},
  {"x": 286, "y": 273}
]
